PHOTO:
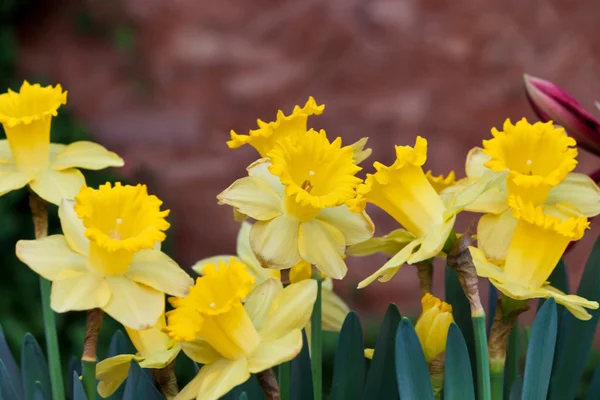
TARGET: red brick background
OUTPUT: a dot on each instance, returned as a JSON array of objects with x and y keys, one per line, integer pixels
[{"x": 185, "y": 72}]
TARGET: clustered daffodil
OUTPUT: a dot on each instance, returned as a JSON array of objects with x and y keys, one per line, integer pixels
[
  {"x": 155, "y": 350},
  {"x": 28, "y": 158},
  {"x": 232, "y": 339},
  {"x": 107, "y": 257}
]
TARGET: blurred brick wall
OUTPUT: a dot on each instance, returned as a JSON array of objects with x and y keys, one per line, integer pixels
[{"x": 166, "y": 92}]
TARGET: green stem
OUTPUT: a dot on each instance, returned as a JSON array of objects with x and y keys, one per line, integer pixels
[
  {"x": 497, "y": 379},
  {"x": 481, "y": 352},
  {"x": 88, "y": 371},
  {"x": 284, "y": 380},
  {"x": 317, "y": 343},
  {"x": 58, "y": 392}
]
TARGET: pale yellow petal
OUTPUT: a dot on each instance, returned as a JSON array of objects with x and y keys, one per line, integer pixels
[
  {"x": 6, "y": 156},
  {"x": 334, "y": 311},
  {"x": 494, "y": 233},
  {"x": 51, "y": 257},
  {"x": 151, "y": 340},
  {"x": 485, "y": 269},
  {"x": 134, "y": 305},
  {"x": 244, "y": 251},
  {"x": 56, "y": 149},
  {"x": 53, "y": 186},
  {"x": 492, "y": 201},
  {"x": 425, "y": 322},
  {"x": 84, "y": 292},
  {"x": 575, "y": 304},
  {"x": 260, "y": 169},
  {"x": 390, "y": 268},
  {"x": 475, "y": 191},
  {"x": 269, "y": 354},
  {"x": 580, "y": 191},
  {"x": 12, "y": 179},
  {"x": 275, "y": 242},
  {"x": 258, "y": 303},
  {"x": 323, "y": 245},
  {"x": 199, "y": 265},
  {"x": 356, "y": 227},
  {"x": 156, "y": 269},
  {"x": 389, "y": 244},
  {"x": 433, "y": 242},
  {"x": 474, "y": 166},
  {"x": 369, "y": 353},
  {"x": 73, "y": 228},
  {"x": 161, "y": 359},
  {"x": 112, "y": 372},
  {"x": 200, "y": 351},
  {"x": 86, "y": 155},
  {"x": 436, "y": 340},
  {"x": 254, "y": 197},
  {"x": 215, "y": 380},
  {"x": 291, "y": 309}
]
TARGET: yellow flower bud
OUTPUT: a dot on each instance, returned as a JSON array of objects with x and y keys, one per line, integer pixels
[{"x": 433, "y": 324}]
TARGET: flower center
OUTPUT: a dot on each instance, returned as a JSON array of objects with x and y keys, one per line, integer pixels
[{"x": 119, "y": 221}]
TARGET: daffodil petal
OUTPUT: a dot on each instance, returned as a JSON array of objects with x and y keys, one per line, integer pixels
[
  {"x": 485, "y": 269},
  {"x": 53, "y": 186},
  {"x": 433, "y": 242},
  {"x": 73, "y": 228},
  {"x": 578, "y": 190},
  {"x": 369, "y": 353},
  {"x": 215, "y": 380},
  {"x": 200, "y": 351},
  {"x": 356, "y": 227},
  {"x": 84, "y": 292},
  {"x": 291, "y": 309},
  {"x": 199, "y": 265},
  {"x": 260, "y": 169},
  {"x": 6, "y": 156},
  {"x": 474, "y": 166},
  {"x": 389, "y": 244},
  {"x": 334, "y": 311},
  {"x": 575, "y": 304},
  {"x": 484, "y": 194},
  {"x": 133, "y": 305},
  {"x": 275, "y": 242},
  {"x": 156, "y": 269},
  {"x": 494, "y": 233},
  {"x": 11, "y": 179},
  {"x": 269, "y": 354},
  {"x": 51, "y": 257},
  {"x": 87, "y": 155},
  {"x": 323, "y": 245},
  {"x": 161, "y": 359},
  {"x": 244, "y": 251},
  {"x": 436, "y": 340},
  {"x": 390, "y": 268},
  {"x": 258, "y": 303},
  {"x": 112, "y": 372},
  {"x": 254, "y": 197}
]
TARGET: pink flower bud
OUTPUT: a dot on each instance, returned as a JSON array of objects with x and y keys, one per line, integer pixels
[{"x": 552, "y": 103}]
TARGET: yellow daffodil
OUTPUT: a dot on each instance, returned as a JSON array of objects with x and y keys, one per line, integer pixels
[
  {"x": 232, "y": 339},
  {"x": 155, "y": 349},
  {"x": 107, "y": 258},
  {"x": 292, "y": 126},
  {"x": 298, "y": 196},
  {"x": 28, "y": 158},
  {"x": 538, "y": 159},
  {"x": 538, "y": 243},
  {"x": 334, "y": 310},
  {"x": 441, "y": 182},
  {"x": 403, "y": 191}
]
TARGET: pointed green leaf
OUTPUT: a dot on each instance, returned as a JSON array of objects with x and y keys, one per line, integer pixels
[
  {"x": 540, "y": 354},
  {"x": 576, "y": 342},
  {"x": 251, "y": 387},
  {"x": 73, "y": 370},
  {"x": 10, "y": 363},
  {"x": 34, "y": 367},
  {"x": 381, "y": 380},
  {"x": 492, "y": 301},
  {"x": 77, "y": 390},
  {"x": 185, "y": 369},
  {"x": 38, "y": 394},
  {"x": 243, "y": 396},
  {"x": 120, "y": 344},
  {"x": 411, "y": 368},
  {"x": 349, "y": 368},
  {"x": 301, "y": 387},
  {"x": 458, "y": 378},
  {"x": 7, "y": 387},
  {"x": 516, "y": 392},
  {"x": 513, "y": 360},
  {"x": 139, "y": 386}
]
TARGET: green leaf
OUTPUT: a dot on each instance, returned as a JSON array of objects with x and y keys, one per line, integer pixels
[
  {"x": 78, "y": 391},
  {"x": 301, "y": 387},
  {"x": 243, "y": 396},
  {"x": 461, "y": 310},
  {"x": 38, "y": 394},
  {"x": 516, "y": 392},
  {"x": 10, "y": 364},
  {"x": 34, "y": 368},
  {"x": 594, "y": 387},
  {"x": 186, "y": 369},
  {"x": 349, "y": 368},
  {"x": 74, "y": 370},
  {"x": 139, "y": 385},
  {"x": 251, "y": 387},
  {"x": 576, "y": 342},
  {"x": 411, "y": 367},
  {"x": 538, "y": 364},
  {"x": 513, "y": 360},
  {"x": 458, "y": 377},
  {"x": 7, "y": 387},
  {"x": 381, "y": 380},
  {"x": 492, "y": 301}
]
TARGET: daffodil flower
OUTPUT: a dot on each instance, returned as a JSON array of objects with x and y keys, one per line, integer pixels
[
  {"x": 334, "y": 310},
  {"x": 106, "y": 258},
  {"x": 232, "y": 339},
  {"x": 538, "y": 159},
  {"x": 28, "y": 158},
  {"x": 291, "y": 126},
  {"x": 155, "y": 350},
  {"x": 538, "y": 242},
  {"x": 297, "y": 196}
]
